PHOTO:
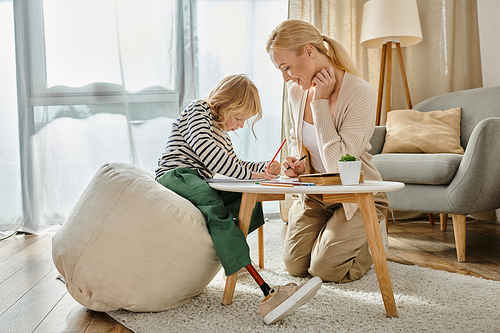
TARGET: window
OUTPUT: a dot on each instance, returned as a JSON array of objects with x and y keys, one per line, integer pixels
[
  {"x": 102, "y": 81},
  {"x": 103, "y": 51}
]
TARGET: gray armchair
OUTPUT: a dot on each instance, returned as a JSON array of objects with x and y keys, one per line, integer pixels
[{"x": 450, "y": 183}]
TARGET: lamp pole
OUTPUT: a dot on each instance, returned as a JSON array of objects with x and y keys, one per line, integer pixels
[{"x": 386, "y": 66}]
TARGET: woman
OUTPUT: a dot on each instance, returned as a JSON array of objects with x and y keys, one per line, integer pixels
[{"x": 332, "y": 111}]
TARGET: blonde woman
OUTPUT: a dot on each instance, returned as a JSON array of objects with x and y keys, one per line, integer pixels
[
  {"x": 332, "y": 111},
  {"x": 198, "y": 148}
]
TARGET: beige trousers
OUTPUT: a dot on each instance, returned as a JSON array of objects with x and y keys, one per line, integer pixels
[{"x": 321, "y": 242}]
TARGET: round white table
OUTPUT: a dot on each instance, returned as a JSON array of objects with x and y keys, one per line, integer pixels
[
  {"x": 250, "y": 187},
  {"x": 361, "y": 194}
]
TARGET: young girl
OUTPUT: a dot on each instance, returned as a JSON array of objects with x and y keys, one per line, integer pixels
[{"x": 198, "y": 148}]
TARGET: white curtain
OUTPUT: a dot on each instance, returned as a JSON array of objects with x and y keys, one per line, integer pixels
[
  {"x": 89, "y": 82},
  {"x": 232, "y": 40},
  {"x": 11, "y": 209}
]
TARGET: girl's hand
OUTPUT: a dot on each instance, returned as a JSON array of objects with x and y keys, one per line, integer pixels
[
  {"x": 261, "y": 175},
  {"x": 296, "y": 167},
  {"x": 273, "y": 168},
  {"x": 323, "y": 83}
]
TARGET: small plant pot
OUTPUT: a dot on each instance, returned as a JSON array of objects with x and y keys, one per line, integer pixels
[{"x": 350, "y": 172}]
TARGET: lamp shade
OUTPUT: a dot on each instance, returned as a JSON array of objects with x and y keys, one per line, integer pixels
[{"x": 390, "y": 20}]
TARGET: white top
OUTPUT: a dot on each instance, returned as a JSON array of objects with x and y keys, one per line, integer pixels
[
  {"x": 349, "y": 131},
  {"x": 311, "y": 143},
  {"x": 369, "y": 186}
]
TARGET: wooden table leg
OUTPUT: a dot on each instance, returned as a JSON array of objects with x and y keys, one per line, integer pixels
[
  {"x": 227, "y": 299},
  {"x": 248, "y": 201},
  {"x": 260, "y": 235},
  {"x": 366, "y": 205}
]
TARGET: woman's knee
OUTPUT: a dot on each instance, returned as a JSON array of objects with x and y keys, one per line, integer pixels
[
  {"x": 296, "y": 266},
  {"x": 326, "y": 271},
  {"x": 349, "y": 268},
  {"x": 338, "y": 274}
]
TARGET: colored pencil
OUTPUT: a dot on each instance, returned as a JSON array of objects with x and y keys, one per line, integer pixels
[
  {"x": 277, "y": 152},
  {"x": 276, "y": 184}
]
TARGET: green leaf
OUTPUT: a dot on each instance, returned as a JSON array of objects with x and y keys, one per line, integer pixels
[{"x": 347, "y": 158}]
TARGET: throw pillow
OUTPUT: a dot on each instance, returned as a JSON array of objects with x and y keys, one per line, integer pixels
[{"x": 412, "y": 131}]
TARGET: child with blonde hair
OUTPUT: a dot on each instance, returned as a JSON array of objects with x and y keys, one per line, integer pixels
[{"x": 198, "y": 148}]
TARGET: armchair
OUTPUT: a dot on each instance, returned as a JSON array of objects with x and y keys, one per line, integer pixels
[{"x": 450, "y": 183}]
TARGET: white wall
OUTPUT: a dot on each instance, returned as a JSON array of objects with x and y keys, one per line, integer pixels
[
  {"x": 488, "y": 12},
  {"x": 489, "y": 30}
]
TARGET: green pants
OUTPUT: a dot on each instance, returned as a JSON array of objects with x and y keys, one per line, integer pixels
[{"x": 219, "y": 209}]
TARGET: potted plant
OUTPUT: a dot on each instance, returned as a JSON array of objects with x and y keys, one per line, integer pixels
[{"x": 349, "y": 170}]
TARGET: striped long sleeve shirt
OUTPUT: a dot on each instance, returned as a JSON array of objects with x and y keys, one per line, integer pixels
[{"x": 195, "y": 142}]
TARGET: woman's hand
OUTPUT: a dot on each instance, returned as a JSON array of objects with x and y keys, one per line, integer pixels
[
  {"x": 323, "y": 83},
  {"x": 273, "y": 168},
  {"x": 262, "y": 175},
  {"x": 296, "y": 167}
]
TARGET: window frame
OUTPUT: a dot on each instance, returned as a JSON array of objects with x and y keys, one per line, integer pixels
[{"x": 93, "y": 93}]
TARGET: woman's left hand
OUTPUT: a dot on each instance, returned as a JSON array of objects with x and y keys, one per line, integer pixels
[
  {"x": 273, "y": 168},
  {"x": 323, "y": 83}
]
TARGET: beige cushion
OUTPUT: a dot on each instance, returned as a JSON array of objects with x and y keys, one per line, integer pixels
[
  {"x": 412, "y": 131},
  {"x": 130, "y": 243}
]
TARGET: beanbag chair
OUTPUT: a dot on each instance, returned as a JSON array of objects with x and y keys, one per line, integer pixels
[{"x": 130, "y": 243}]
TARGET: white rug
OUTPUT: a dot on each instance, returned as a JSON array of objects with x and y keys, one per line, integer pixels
[{"x": 427, "y": 301}]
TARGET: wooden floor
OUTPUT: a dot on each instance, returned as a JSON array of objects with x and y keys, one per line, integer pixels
[{"x": 32, "y": 299}]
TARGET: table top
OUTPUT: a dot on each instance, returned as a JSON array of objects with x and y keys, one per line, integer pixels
[{"x": 366, "y": 187}]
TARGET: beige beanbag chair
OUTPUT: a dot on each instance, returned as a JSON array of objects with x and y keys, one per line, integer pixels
[{"x": 130, "y": 243}]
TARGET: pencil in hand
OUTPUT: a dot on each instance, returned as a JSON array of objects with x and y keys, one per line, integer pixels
[
  {"x": 279, "y": 149},
  {"x": 299, "y": 160},
  {"x": 277, "y": 152}
]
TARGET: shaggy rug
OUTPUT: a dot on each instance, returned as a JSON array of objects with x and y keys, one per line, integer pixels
[{"x": 427, "y": 301}]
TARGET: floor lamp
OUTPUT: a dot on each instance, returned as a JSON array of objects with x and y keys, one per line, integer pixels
[{"x": 389, "y": 24}]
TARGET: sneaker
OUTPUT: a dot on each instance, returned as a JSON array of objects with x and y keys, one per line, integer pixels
[{"x": 282, "y": 300}]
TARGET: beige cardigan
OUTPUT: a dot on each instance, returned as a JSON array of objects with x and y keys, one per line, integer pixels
[{"x": 349, "y": 131}]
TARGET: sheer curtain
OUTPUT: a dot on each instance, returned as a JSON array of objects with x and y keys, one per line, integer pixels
[
  {"x": 11, "y": 209},
  {"x": 232, "y": 37},
  {"x": 90, "y": 82},
  {"x": 98, "y": 81}
]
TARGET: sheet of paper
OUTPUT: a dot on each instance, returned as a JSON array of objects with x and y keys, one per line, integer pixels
[
  {"x": 229, "y": 180},
  {"x": 224, "y": 179}
]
